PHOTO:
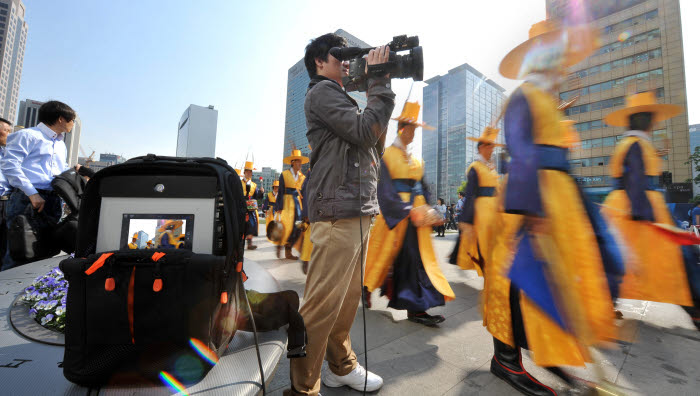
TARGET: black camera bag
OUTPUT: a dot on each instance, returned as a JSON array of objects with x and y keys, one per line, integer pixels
[
  {"x": 29, "y": 236},
  {"x": 133, "y": 332}
]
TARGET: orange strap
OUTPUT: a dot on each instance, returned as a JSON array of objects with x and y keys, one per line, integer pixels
[
  {"x": 239, "y": 266},
  {"x": 98, "y": 264},
  {"x": 130, "y": 303},
  {"x": 157, "y": 256}
]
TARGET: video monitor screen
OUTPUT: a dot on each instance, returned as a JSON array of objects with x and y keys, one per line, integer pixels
[{"x": 156, "y": 231}]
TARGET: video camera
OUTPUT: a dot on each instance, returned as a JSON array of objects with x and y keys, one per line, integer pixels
[{"x": 399, "y": 66}]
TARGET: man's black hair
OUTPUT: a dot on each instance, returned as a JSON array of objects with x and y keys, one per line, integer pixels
[
  {"x": 5, "y": 121},
  {"x": 460, "y": 193},
  {"x": 51, "y": 111},
  {"x": 641, "y": 121},
  {"x": 318, "y": 49}
]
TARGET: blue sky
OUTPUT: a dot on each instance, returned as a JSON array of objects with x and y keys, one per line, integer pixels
[{"x": 130, "y": 69}]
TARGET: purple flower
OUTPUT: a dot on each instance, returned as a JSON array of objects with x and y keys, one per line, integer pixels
[
  {"x": 32, "y": 313},
  {"x": 30, "y": 289},
  {"x": 63, "y": 300}
]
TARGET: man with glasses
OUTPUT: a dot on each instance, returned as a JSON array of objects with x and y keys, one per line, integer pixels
[{"x": 33, "y": 156}]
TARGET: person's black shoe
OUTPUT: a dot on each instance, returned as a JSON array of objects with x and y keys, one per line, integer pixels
[
  {"x": 250, "y": 245},
  {"x": 507, "y": 365},
  {"x": 425, "y": 319}
]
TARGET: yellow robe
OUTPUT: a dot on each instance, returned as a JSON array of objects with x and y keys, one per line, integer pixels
[
  {"x": 384, "y": 244},
  {"x": 485, "y": 209},
  {"x": 271, "y": 199},
  {"x": 573, "y": 257},
  {"x": 288, "y": 208},
  {"x": 654, "y": 268}
]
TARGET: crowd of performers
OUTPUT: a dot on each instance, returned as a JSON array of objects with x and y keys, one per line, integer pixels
[{"x": 547, "y": 288}]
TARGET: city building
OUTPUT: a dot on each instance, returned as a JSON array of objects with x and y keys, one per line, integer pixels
[
  {"x": 142, "y": 240},
  {"x": 268, "y": 175},
  {"x": 95, "y": 165},
  {"x": 28, "y": 115},
  {"x": 459, "y": 104},
  {"x": 297, "y": 83},
  {"x": 72, "y": 141},
  {"x": 13, "y": 39},
  {"x": 694, "y": 133},
  {"x": 112, "y": 159},
  {"x": 196, "y": 132},
  {"x": 641, "y": 50}
]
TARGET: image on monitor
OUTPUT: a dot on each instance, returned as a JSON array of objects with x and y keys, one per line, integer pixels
[{"x": 156, "y": 231}]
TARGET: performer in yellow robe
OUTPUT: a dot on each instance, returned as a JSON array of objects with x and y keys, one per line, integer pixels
[
  {"x": 655, "y": 269},
  {"x": 480, "y": 206},
  {"x": 400, "y": 258},
  {"x": 306, "y": 244},
  {"x": 288, "y": 203},
  {"x": 134, "y": 242},
  {"x": 252, "y": 193},
  {"x": 269, "y": 202},
  {"x": 539, "y": 196}
]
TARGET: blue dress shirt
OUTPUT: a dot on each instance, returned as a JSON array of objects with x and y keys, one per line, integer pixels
[
  {"x": 33, "y": 156},
  {"x": 4, "y": 185}
]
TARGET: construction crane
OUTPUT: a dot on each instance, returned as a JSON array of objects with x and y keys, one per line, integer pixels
[{"x": 88, "y": 159}]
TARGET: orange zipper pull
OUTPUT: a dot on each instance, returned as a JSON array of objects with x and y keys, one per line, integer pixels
[
  {"x": 224, "y": 298},
  {"x": 157, "y": 285},
  {"x": 109, "y": 284}
]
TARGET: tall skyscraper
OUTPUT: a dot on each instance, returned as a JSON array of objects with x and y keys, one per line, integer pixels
[
  {"x": 13, "y": 38},
  {"x": 28, "y": 113},
  {"x": 459, "y": 104},
  {"x": 196, "y": 132},
  {"x": 297, "y": 83},
  {"x": 641, "y": 50}
]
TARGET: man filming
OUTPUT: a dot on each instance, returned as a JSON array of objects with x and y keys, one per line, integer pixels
[{"x": 342, "y": 197}]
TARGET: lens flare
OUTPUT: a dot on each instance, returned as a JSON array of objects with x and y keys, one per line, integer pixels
[
  {"x": 204, "y": 351},
  {"x": 172, "y": 383},
  {"x": 623, "y": 36}
]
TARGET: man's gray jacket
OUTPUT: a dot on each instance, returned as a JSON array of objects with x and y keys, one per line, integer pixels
[{"x": 346, "y": 148}]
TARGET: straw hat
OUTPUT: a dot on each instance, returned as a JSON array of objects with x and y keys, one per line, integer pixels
[
  {"x": 409, "y": 115},
  {"x": 276, "y": 183},
  {"x": 579, "y": 40},
  {"x": 136, "y": 236},
  {"x": 488, "y": 135},
  {"x": 248, "y": 166},
  {"x": 644, "y": 102},
  {"x": 296, "y": 155}
]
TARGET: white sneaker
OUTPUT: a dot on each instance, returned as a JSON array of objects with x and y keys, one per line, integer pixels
[{"x": 355, "y": 379}]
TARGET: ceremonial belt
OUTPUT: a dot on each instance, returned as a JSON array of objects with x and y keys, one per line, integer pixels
[
  {"x": 292, "y": 191},
  {"x": 619, "y": 184},
  {"x": 415, "y": 187},
  {"x": 486, "y": 192},
  {"x": 552, "y": 157}
]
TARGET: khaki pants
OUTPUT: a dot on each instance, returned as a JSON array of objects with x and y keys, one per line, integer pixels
[{"x": 332, "y": 294}]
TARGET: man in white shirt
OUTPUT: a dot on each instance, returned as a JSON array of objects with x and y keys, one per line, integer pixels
[
  {"x": 5, "y": 130},
  {"x": 33, "y": 157}
]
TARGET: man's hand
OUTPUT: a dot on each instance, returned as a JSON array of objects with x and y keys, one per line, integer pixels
[
  {"x": 37, "y": 202},
  {"x": 378, "y": 56},
  {"x": 77, "y": 167}
]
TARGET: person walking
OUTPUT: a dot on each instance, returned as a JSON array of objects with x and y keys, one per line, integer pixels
[
  {"x": 401, "y": 259},
  {"x": 442, "y": 210}
]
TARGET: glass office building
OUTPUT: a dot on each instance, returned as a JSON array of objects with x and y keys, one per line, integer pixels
[
  {"x": 641, "y": 50},
  {"x": 297, "y": 83},
  {"x": 459, "y": 104}
]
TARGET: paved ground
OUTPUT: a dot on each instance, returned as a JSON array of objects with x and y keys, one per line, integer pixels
[{"x": 454, "y": 359}]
